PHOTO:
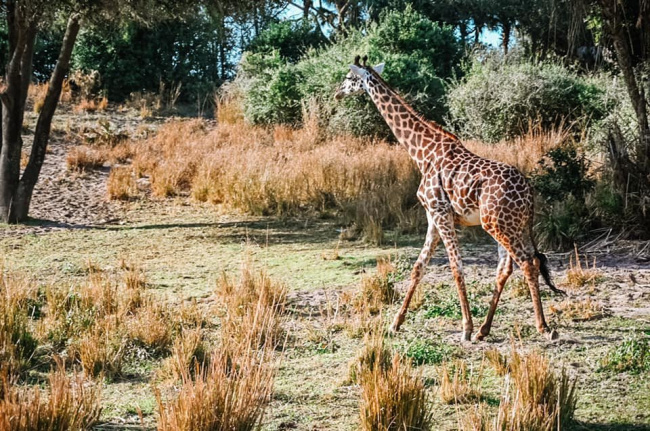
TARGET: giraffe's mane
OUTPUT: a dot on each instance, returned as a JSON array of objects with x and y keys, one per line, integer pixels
[{"x": 430, "y": 123}]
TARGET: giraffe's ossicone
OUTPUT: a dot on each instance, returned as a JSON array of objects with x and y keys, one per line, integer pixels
[{"x": 459, "y": 188}]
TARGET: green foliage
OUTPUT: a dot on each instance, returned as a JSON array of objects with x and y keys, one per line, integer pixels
[
  {"x": 134, "y": 57},
  {"x": 566, "y": 174},
  {"x": 632, "y": 355},
  {"x": 498, "y": 99},
  {"x": 291, "y": 39},
  {"x": 563, "y": 182},
  {"x": 271, "y": 93},
  {"x": 419, "y": 54},
  {"x": 427, "y": 352}
]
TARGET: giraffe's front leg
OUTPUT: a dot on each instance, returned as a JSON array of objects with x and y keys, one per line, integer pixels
[
  {"x": 417, "y": 272},
  {"x": 444, "y": 220}
]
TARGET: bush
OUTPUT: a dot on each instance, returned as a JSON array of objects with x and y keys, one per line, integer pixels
[
  {"x": 497, "y": 98},
  {"x": 419, "y": 54},
  {"x": 271, "y": 93},
  {"x": 173, "y": 52},
  {"x": 563, "y": 182},
  {"x": 290, "y": 39}
]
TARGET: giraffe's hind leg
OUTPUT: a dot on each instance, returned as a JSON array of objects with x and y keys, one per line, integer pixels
[
  {"x": 504, "y": 270},
  {"x": 524, "y": 256}
]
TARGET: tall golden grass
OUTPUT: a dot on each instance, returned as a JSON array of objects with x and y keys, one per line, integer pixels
[
  {"x": 17, "y": 340},
  {"x": 71, "y": 403},
  {"x": 282, "y": 171},
  {"x": 534, "y": 397},
  {"x": 523, "y": 152},
  {"x": 231, "y": 389},
  {"x": 393, "y": 396},
  {"x": 457, "y": 384}
]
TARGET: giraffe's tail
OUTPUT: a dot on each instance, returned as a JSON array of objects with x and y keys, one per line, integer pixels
[{"x": 546, "y": 274}]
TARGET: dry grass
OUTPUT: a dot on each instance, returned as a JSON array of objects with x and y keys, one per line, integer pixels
[
  {"x": 374, "y": 354},
  {"x": 523, "y": 152},
  {"x": 535, "y": 398},
  {"x": 457, "y": 384},
  {"x": 72, "y": 403},
  {"x": 91, "y": 105},
  {"x": 189, "y": 353},
  {"x": 95, "y": 322},
  {"x": 254, "y": 301},
  {"x": 228, "y": 110},
  {"x": 498, "y": 361},
  {"x": 518, "y": 287},
  {"x": 101, "y": 349},
  {"x": 578, "y": 310},
  {"x": 377, "y": 289},
  {"x": 17, "y": 342},
  {"x": 232, "y": 390},
  {"x": 578, "y": 276},
  {"x": 24, "y": 159},
  {"x": 477, "y": 418},
  {"x": 285, "y": 171},
  {"x": 83, "y": 158},
  {"x": 37, "y": 93},
  {"x": 150, "y": 327},
  {"x": 121, "y": 184},
  {"x": 393, "y": 398},
  {"x": 230, "y": 393}
]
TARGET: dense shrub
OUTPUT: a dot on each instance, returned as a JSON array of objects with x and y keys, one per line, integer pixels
[
  {"x": 271, "y": 92},
  {"x": 497, "y": 99},
  {"x": 291, "y": 39},
  {"x": 419, "y": 54},
  {"x": 134, "y": 57},
  {"x": 562, "y": 181}
]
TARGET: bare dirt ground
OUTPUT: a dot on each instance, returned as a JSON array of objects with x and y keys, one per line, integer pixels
[{"x": 184, "y": 247}]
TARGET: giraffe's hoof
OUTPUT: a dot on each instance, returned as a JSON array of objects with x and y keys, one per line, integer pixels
[
  {"x": 552, "y": 335},
  {"x": 480, "y": 336},
  {"x": 466, "y": 336}
]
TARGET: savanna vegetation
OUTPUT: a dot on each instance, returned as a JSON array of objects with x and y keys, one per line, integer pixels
[{"x": 200, "y": 237}]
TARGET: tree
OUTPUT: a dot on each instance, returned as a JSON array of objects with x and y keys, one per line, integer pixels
[
  {"x": 627, "y": 25},
  {"x": 24, "y": 20}
]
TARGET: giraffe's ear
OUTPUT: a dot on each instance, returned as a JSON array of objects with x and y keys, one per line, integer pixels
[
  {"x": 356, "y": 70},
  {"x": 379, "y": 68}
]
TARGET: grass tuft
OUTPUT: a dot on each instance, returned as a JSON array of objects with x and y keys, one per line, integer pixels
[
  {"x": 121, "y": 184},
  {"x": 72, "y": 403},
  {"x": 393, "y": 398},
  {"x": 83, "y": 158},
  {"x": 457, "y": 384},
  {"x": 232, "y": 390},
  {"x": 578, "y": 276},
  {"x": 579, "y": 310}
]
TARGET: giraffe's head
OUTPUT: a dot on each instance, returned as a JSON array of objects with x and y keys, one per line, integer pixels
[{"x": 356, "y": 80}]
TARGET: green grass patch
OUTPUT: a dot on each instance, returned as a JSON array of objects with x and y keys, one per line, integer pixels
[
  {"x": 427, "y": 352},
  {"x": 632, "y": 355}
]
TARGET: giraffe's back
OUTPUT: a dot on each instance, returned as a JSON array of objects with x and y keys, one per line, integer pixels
[{"x": 487, "y": 192}]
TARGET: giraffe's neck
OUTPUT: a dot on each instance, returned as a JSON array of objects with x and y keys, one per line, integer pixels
[{"x": 424, "y": 140}]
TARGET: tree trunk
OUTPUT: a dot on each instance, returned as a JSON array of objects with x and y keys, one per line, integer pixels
[
  {"x": 22, "y": 39},
  {"x": 625, "y": 57},
  {"x": 23, "y": 196},
  {"x": 505, "y": 37}
]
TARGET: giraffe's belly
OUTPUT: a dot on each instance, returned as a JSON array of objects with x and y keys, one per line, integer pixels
[{"x": 469, "y": 218}]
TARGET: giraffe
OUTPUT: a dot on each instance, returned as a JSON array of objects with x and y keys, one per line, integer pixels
[{"x": 459, "y": 188}]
